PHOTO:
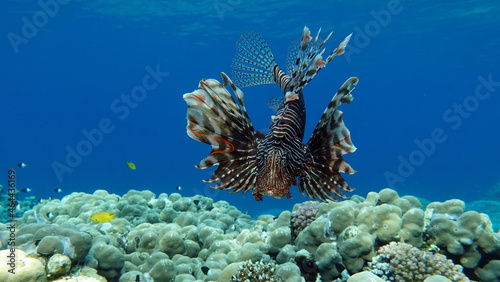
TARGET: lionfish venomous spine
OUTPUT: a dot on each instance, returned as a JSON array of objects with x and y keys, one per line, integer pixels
[{"x": 270, "y": 164}]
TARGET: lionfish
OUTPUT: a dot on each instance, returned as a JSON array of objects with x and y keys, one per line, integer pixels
[{"x": 270, "y": 164}]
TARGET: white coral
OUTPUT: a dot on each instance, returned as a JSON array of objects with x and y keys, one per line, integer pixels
[{"x": 403, "y": 262}]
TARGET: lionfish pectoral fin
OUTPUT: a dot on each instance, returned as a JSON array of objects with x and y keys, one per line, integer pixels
[
  {"x": 330, "y": 140},
  {"x": 216, "y": 118}
]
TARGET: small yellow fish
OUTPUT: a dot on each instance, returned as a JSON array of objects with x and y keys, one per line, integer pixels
[
  {"x": 102, "y": 217},
  {"x": 131, "y": 165}
]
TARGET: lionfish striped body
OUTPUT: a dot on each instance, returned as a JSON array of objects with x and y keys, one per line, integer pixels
[{"x": 270, "y": 164}]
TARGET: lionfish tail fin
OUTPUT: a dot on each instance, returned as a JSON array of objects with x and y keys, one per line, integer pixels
[
  {"x": 217, "y": 119},
  {"x": 330, "y": 140},
  {"x": 253, "y": 63},
  {"x": 305, "y": 58}
]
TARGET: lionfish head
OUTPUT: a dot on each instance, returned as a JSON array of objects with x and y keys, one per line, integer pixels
[{"x": 276, "y": 174}]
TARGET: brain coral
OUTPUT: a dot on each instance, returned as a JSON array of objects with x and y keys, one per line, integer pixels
[{"x": 403, "y": 262}]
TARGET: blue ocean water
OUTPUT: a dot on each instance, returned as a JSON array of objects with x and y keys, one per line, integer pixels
[{"x": 424, "y": 119}]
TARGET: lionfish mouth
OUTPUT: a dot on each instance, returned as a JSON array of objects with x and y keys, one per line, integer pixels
[
  {"x": 275, "y": 183},
  {"x": 275, "y": 192}
]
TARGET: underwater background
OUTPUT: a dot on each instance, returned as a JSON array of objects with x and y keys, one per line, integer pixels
[{"x": 424, "y": 119}]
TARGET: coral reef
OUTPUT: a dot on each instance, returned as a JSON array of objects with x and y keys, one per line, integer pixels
[
  {"x": 25, "y": 268},
  {"x": 175, "y": 238},
  {"x": 23, "y": 204},
  {"x": 365, "y": 276},
  {"x": 58, "y": 265},
  {"x": 491, "y": 208},
  {"x": 467, "y": 235},
  {"x": 490, "y": 272},
  {"x": 308, "y": 267},
  {"x": 302, "y": 216},
  {"x": 256, "y": 272},
  {"x": 403, "y": 262}
]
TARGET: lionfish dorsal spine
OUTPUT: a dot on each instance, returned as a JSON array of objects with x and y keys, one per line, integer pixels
[
  {"x": 254, "y": 63},
  {"x": 309, "y": 59}
]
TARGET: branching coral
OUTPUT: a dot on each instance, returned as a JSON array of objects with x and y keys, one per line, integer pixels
[
  {"x": 403, "y": 262},
  {"x": 256, "y": 272}
]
